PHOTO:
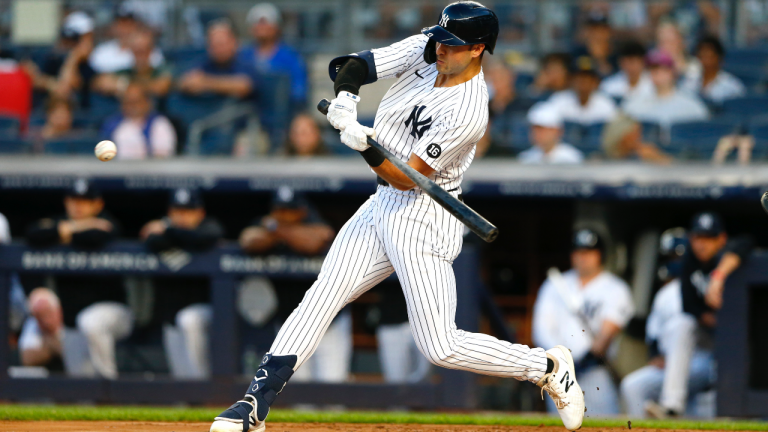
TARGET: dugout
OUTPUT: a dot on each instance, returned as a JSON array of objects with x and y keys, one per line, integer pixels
[{"x": 534, "y": 207}]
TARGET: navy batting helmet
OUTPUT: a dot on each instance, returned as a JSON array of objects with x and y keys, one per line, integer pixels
[{"x": 462, "y": 23}]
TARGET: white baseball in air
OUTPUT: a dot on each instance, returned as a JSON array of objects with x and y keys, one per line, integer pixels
[{"x": 105, "y": 150}]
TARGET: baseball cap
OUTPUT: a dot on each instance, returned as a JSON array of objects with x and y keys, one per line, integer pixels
[
  {"x": 707, "y": 224},
  {"x": 584, "y": 64},
  {"x": 264, "y": 11},
  {"x": 586, "y": 238},
  {"x": 76, "y": 24},
  {"x": 186, "y": 198},
  {"x": 125, "y": 10},
  {"x": 82, "y": 188},
  {"x": 545, "y": 115},
  {"x": 659, "y": 58},
  {"x": 286, "y": 197}
]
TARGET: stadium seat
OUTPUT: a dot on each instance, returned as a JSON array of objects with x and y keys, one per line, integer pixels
[
  {"x": 652, "y": 133},
  {"x": 74, "y": 146},
  {"x": 573, "y": 133},
  {"x": 185, "y": 58},
  {"x": 187, "y": 109},
  {"x": 591, "y": 139},
  {"x": 759, "y": 130},
  {"x": 101, "y": 107},
  {"x": 9, "y": 127},
  {"x": 698, "y": 139},
  {"x": 14, "y": 146},
  {"x": 746, "y": 107}
]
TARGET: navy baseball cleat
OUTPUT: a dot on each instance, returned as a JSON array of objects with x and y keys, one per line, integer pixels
[
  {"x": 562, "y": 387},
  {"x": 249, "y": 413},
  {"x": 233, "y": 419}
]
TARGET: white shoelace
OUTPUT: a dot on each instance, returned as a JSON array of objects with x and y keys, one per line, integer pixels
[{"x": 552, "y": 387}]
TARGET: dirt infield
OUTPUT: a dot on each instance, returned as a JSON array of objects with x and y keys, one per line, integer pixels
[{"x": 105, "y": 426}]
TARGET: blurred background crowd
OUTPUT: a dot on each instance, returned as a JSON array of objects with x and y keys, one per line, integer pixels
[{"x": 652, "y": 81}]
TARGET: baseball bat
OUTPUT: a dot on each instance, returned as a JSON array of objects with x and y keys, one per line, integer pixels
[
  {"x": 764, "y": 202},
  {"x": 476, "y": 223}
]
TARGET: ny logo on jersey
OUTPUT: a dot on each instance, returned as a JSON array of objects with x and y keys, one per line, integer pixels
[
  {"x": 565, "y": 378},
  {"x": 444, "y": 20},
  {"x": 419, "y": 127}
]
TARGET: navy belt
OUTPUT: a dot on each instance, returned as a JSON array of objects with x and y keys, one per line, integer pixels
[{"x": 382, "y": 182}]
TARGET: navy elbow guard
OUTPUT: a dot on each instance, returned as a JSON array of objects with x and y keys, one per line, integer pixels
[{"x": 335, "y": 66}]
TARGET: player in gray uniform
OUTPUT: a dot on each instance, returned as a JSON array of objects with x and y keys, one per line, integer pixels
[{"x": 431, "y": 117}]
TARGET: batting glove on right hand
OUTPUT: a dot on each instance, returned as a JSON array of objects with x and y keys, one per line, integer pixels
[
  {"x": 343, "y": 110},
  {"x": 355, "y": 136}
]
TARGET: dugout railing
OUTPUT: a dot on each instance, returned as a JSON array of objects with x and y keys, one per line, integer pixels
[{"x": 223, "y": 266}]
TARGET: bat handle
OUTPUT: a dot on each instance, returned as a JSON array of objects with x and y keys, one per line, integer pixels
[{"x": 323, "y": 106}]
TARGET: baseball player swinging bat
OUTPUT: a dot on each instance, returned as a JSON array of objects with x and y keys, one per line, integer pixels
[
  {"x": 478, "y": 224},
  {"x": 433, "y": 115}
]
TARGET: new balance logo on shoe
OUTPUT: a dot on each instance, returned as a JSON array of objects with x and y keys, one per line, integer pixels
[{"x": 565, "y": 378}]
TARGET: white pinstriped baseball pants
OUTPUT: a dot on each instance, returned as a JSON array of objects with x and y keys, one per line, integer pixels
[{"x": 408, "y": 233}]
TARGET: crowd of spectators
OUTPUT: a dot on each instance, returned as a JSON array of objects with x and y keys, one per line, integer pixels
[{"x": 127, "y": 89}]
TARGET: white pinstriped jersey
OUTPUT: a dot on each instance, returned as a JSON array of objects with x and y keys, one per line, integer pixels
[{"x": 440, "y": 125}]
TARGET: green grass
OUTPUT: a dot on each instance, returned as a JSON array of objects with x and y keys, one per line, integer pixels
[{"x": 173, "y": 414}]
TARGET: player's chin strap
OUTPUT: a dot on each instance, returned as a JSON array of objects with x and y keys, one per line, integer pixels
[{"x": 274, "y": 372}]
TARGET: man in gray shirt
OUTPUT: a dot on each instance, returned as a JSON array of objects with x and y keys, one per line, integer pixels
[{"x": 666, "y": 105}]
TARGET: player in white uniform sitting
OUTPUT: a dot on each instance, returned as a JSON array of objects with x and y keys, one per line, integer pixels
[
  {"x": 431, "y": 117},
  {"x": 604, "y": 306}
]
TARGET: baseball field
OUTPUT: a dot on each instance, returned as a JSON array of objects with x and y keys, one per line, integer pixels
[{"x": 34, "y": 418}]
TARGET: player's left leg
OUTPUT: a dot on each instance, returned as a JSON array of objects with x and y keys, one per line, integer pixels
[{"x": 423, "y": 241}]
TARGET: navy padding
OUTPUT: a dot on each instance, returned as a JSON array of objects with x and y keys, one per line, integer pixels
[
  {"x": 238, "y": 408},
  {"x": 367, "y": 56}
]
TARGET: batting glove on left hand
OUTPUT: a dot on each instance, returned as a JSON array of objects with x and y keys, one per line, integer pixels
[
  {"x": 355, "y": 136},
  {"x": 343, "y": 110}
]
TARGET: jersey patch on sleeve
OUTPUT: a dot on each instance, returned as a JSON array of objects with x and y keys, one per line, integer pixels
[{"x": 434, "y": 151}]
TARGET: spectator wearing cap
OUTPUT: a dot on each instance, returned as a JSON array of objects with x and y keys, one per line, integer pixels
[
  {"x": 583, "y": 103},
  {"x": 185, "y": 301},
  {"x": 221, "y": 73},
  {"x": 643, "y": 386},
  {"x": 116, "y": 54},
  {"x": 294, "y": 226},
  {"x": 553, "y": 75},
  {"x": 270, "y": 55},
  {"x": 545, "y": 134},
  {"x": 632, "y": 79},
  {"x": 186, "y": 225},
  {"x": 598, "y": 44},
  {"x": 666, "y": 105},
  {"x": 711, "y": 258},
  {"x": 622, "y": 139},
  {"x": 712, "y": 83},
  {"x": 587, "y": 307},
  {"x": 66, "y": 71},
  {"x": 138, "y": 130},
  {"x": 304, "y": 138},
  {"x": 156, "y": 79},
  {"x": 95, "y": 305}
]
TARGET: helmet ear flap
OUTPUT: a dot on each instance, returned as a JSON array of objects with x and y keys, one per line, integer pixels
[{"x": 430, "y": 54}]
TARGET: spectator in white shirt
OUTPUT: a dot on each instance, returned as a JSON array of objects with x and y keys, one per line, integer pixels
[
  {"x": 545, "y": 134},
  {"x": 584, "y": 104},
  {"x": 711, "y": 82},
  {"x": 632, "y": 79},
  {"x": 138, "y": 131},
  {"x": 115, "y": 54},
  {"x": 666, "y": 105}
]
